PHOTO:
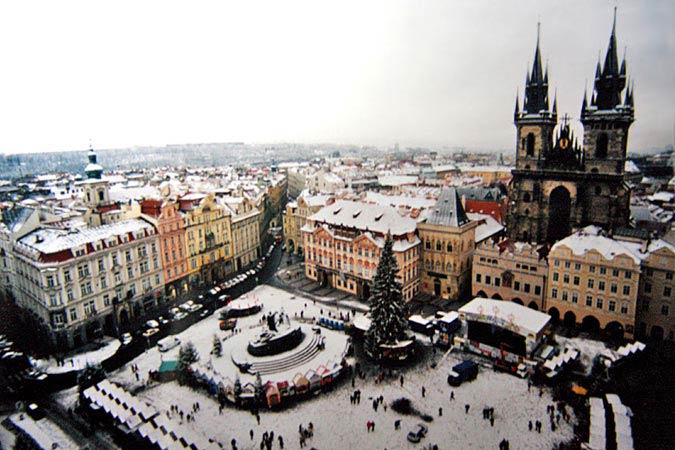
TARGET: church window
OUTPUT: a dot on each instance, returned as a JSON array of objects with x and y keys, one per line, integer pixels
[
  {"x": 601, "y": 146},
  {"x": 530, "y": 144}
]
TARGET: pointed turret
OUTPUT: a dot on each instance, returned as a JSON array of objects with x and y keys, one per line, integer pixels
[
  {"x": 555, "y": 104},
  {"x": 584, "y": 103},
  {"x": 611, "y": 80},
  {"x": 598, "y": 70},
  {"x": 536, "y": 84},
  {"x": 517, "y": 108},
  {"x": 622, "y": 71}
]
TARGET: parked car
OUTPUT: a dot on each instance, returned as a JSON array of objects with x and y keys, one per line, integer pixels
[
  {"x": 126, "y": 339},
  {"x": 187, "y": 306},
  {"x": 177, "y": 314},
  {"x": 168, "y": 343},
  {"x": 418, "y": 433},
  {"x": 150, "y": 331},
  {"x": 162, "y": 320},
  {"x": 205, "y": 312},
  {"x": 152, "y": 324}
]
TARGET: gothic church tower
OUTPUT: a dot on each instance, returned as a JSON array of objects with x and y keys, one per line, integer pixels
[{"x": 557, "y": 186}]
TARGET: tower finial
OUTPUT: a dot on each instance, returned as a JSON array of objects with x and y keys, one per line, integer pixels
[{"x": 555, "y": 103}]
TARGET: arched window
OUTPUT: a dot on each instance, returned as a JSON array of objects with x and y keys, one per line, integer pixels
[
  {"x": 530, "y": 144},
  {"x": 601, "y": 146},
  {"x": 526, "y": 197},
  {"x": 438, "y": 246},
  {"x": 449, "y": 247}
]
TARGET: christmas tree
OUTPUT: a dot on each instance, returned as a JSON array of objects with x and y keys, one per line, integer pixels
[
  {"x": 388, "y": 321},
  {"x": 217, "y": 347}
]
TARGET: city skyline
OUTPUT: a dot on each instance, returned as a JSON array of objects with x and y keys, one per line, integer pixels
[{"x": 438, "y": 74}]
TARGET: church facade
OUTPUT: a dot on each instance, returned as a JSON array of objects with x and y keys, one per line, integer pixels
[{"x": 560, "y": 185}]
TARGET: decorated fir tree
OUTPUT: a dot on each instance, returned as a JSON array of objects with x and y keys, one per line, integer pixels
[
  {"x": 217, "y": 347},
  {"x": 388, "y": 321}
]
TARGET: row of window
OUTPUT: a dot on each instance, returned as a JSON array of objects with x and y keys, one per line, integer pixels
[
  {"x": 599, "y": 302},
  {"x": 627, "y": 274},
  {"x": 665, "y": 309},
  {"x": 497, "y": 281},
  {"x": 86, "y": 289},
  {"x": 495, "y": 262},
  {"x": 576, "y": 281},
  {"x": 650, "y": 273}
]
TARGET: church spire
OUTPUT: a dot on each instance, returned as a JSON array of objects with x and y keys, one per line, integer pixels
[
  {"x": 536, "y": 83},
  {"x": 610, "y": 80},
  {"x": 517, "y": 108}
]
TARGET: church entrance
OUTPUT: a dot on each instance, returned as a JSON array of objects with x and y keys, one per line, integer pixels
[{"x": 559, "y": 207}]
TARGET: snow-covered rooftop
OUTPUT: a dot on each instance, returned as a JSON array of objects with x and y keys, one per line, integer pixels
[
  {"x": 591, "y": 238},
  {"x": 408, "y": 201},
  {"x": 487, "y": 228},
  {"x": 526, "y": 319},
  {"x": 396, "y": 180},
  {"x": 52, "y": 240},
  {"x": 362, "y": 216}
]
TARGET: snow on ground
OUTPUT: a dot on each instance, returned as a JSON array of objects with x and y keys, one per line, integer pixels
[
  {"x": 201, "y": 335},
  {"x": 80, "y": 360},
  {"x": 339, "y": 424}
]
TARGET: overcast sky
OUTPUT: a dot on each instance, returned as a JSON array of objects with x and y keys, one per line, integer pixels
[{"x": 431, "y": 73}]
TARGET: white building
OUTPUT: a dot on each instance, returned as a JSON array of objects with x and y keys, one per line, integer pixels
[{"x": 78, "y": 283}]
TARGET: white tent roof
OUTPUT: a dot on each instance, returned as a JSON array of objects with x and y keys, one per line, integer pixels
[{"x": 522, "y": 317}]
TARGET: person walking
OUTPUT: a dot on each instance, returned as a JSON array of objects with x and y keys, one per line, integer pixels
[
  {"x": 424, "y": 392},
  {"x": 401, "y": 380},
  {"x": 529, "y": 426},
  {"x": 281, "y": 442},
  {"x": 440, "y": 412},
  {"x": 466, "y": 408}
]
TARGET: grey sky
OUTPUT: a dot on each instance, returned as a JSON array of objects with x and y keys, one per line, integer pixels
[{"x": 437, "y": 73}]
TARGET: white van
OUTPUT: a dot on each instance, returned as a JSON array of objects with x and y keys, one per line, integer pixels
[{"x": 168, "y": 343}]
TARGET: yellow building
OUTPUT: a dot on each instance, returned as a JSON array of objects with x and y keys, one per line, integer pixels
[
  {"x": 245, "y": 231},
  {"x": 208, "y": 238},
  {"x": 296, "y": 215},
  {"x": 448, "y": 238},
  {"x": 510, "y": 271},
  {"x": 593, "y": 280}
]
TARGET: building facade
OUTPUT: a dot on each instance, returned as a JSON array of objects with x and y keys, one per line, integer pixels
[
  {"x": 295, "y": 216},
  {"x": 656, "y": 311},
  {"x": 557, "y": 186},
  {"x": 170, "y": 223},
  {"x": 448, "y": 238},
  {"x": 343, "y": 242},
  {"x": 245, "y": 223},
  {"x": 593, "y": 281},
  {"x": 78, "y": 284},
  {"x": 207, "y": 238},
  {"x": 513, "y": 272}
]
